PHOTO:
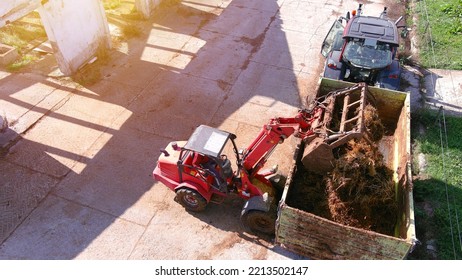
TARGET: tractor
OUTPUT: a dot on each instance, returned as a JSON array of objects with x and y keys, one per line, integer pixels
[
  {"x": 200, "y": 170},
  {"x": 361, "y": 48}
]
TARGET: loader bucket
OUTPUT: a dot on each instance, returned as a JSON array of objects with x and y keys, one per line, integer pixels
[
  {"x": 342, "y": 121},
  {"x": 318, "y": 156}
]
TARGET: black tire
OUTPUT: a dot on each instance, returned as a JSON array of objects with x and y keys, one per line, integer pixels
[
  {"x": 191, "y": 200},
  {"x": 258, "y": 221}
]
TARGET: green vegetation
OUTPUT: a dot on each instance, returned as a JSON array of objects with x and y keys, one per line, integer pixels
[
  {"x": 123, "y": 14},
  {"x": 111, "y": 4},
  {"x": 443, "y": 18},
  {"x": 22, "y": 62},
  {"x": 90, "y": 74},
  {"x": 23, "y": 34},
  {"x": 130, "y": 31},
  {"x": 438, "y": 189},
  {"x": 438, "y": 186}
]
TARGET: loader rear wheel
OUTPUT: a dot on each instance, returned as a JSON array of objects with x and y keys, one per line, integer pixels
[
  {"x": 258, "y": 221},
  {"x": 191, "y": 200}
]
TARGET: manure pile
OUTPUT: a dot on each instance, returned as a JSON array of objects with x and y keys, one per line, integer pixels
[{"x": 359, "y": 191}]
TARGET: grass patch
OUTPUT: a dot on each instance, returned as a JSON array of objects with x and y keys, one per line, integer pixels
[
  {"x": 438, "y": 189},
  {"x": 90, "y": 73},
  {"x": 442, "y": 48},
  {"x": 19, "y": 33},
  {"x": 130, "y": 31},
  {"x": 22, "y": 62},
  {"x": 170, "y": 3},
  {"x": 124, "y": 15},
  {"x": 111, "y": 4}
]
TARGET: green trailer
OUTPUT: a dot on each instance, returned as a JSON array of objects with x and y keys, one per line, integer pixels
[{"x": 316, "y": 237}]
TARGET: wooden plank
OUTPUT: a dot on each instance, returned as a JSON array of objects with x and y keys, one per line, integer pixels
[{"x": 319, "y": 238}]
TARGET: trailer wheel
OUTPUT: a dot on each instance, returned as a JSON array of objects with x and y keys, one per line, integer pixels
[
  {"x": 191, "y": 200},
  {"x": 259, "y": 221}
]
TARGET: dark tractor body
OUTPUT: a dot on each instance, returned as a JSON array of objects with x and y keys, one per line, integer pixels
[{"x": 363, "y": 49}]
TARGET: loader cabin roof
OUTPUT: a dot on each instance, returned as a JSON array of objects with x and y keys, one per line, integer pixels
[
  {"x": 208, "y": 140},
  {"x": 381, "y": 29}
]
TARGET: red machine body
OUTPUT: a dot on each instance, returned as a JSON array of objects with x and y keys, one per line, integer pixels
[
  {"x": 199, "y": 170},
  {"x": 175, "y": 166}
]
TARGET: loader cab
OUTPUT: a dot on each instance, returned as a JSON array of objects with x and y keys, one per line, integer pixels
[{"x": 205, "y": 156}]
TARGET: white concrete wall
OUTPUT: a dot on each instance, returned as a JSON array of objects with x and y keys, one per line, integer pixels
[
  {"x": 146, "y": 7},
  {"x": 76, "y": 29}
]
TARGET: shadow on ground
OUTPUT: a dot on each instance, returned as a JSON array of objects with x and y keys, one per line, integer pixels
[{"x": 91, "y": 154}]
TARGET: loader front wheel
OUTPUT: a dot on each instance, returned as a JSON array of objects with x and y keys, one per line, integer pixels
[
  {"x": 258, "y": 221},
  {"x": 191, "y": 200}
]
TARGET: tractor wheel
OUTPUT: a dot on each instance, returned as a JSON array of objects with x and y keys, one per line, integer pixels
[
  {"x": 259, "y": 221},
  {"x": 191, "y": 200}
]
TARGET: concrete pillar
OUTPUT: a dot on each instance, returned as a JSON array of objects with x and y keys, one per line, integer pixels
[
  {"x": 146, "y": 7},
  {"x": 76, "y": 30}
]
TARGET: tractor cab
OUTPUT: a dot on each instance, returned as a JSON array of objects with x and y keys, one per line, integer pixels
[
  {"x": 363, "y": 49},
  {"x": 368, "y": 53},
  {"x": 205, "y": 156}
]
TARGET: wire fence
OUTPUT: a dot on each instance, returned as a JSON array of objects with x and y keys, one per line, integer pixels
[
  {"x": 452, "y": 205},
  {"x": 440, "y": 29},
  {"x": 437, "y": 55},
  {"x": 436, "y": 51}
]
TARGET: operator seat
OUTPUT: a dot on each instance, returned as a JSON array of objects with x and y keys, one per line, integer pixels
[{"x": 213, "y": 170}]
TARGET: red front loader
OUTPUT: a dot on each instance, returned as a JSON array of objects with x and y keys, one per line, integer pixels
[{"x": 200, "y": 171}]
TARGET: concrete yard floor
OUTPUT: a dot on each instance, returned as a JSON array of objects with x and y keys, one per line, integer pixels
[
  {"x": 79, "y": 160},
  {"x": 86, "y": 153}
]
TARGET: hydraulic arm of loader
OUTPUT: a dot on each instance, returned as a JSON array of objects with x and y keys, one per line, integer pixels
[
  {"x": 275, "y": 132},
  {"x": 331, "y": 121}
]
